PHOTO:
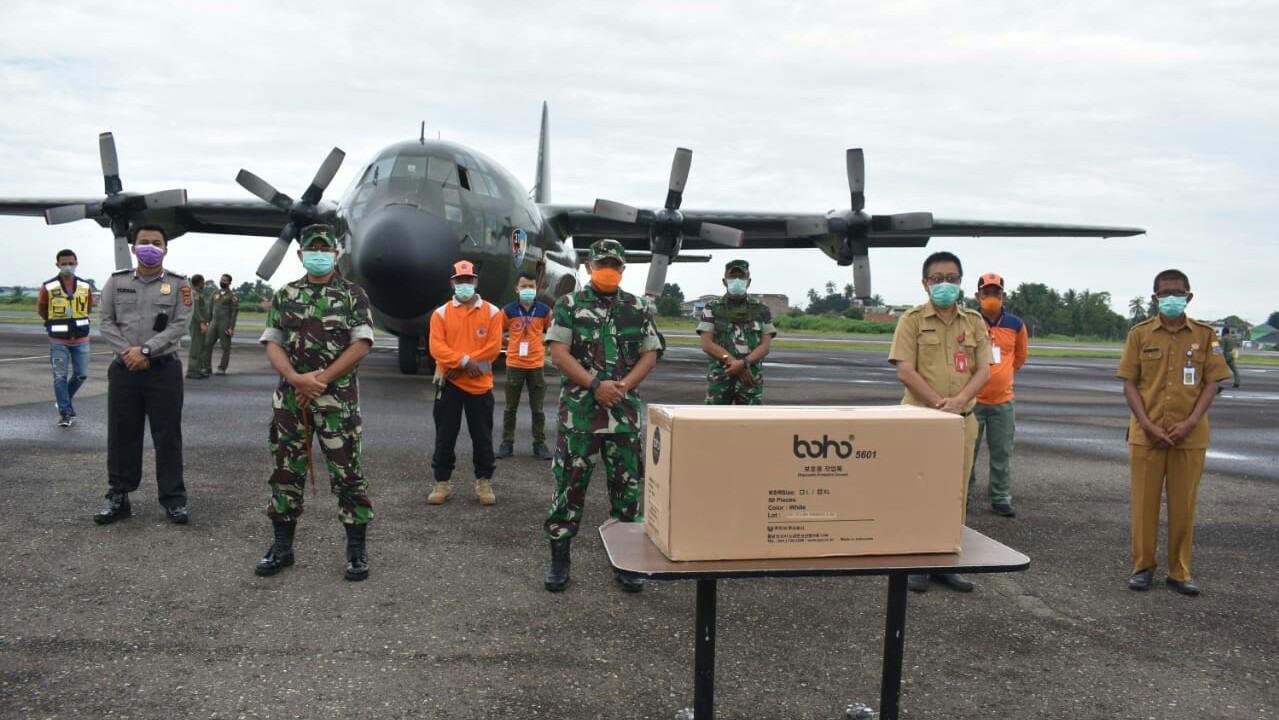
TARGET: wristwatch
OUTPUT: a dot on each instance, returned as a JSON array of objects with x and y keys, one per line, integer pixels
[
  {"x": 726, "y": 359},
  {"x": 146, "y": 351},
  {"x": 595, "y": 384}
]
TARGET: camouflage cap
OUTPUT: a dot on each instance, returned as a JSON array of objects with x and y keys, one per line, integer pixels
[
  {"x": 607, "y": 248},
  {"x": 738, "y": 264},
  {"x": 311, "y": 233}
]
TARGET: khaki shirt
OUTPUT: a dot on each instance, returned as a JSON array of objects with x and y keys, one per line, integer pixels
[
  {"x": 1157, "y": 360},
  {"x": 930, "y": 344},
  {"x": 132, "y": 304}
]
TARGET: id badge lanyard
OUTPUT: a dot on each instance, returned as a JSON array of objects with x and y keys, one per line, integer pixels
[{"x": 1188, "y": 372}]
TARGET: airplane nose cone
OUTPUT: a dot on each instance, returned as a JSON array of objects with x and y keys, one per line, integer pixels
[{"x": 406, "y": 256}]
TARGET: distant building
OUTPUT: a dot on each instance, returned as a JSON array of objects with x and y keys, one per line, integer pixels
[{"x": 1263, "y": 335}]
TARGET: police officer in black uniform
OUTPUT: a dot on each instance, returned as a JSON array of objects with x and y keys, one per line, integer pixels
[{"x": 144, "y": 314}]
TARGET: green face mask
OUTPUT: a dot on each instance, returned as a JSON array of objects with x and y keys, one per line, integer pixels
[
  {"x": 1171, "y": 306},
  {"x": 737, "y": 287},
  {"x": 464, "y": 291},
  {"x": 944, "y": 294}
]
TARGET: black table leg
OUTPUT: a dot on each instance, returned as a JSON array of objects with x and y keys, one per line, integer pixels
[
  {"x": 704, "y": 652},
  {"x": 890, "y": 688}
]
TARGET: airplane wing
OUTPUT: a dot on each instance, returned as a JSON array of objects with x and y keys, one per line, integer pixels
[
  {"x": 780, "y": 230},
  {"x": 643, "y": 256},
  {"x": 224, "y": 217}
]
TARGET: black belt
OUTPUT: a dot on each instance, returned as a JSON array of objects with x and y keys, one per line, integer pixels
[{"x": 966, "y": 414}]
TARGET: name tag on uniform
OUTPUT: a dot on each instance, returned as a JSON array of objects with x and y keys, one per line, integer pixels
[
  {"x": 1188, "y": 375},
  {"x": 524, "y": 349},
  {"x": 994, "y": 351},
  {"x": 961, "y": 361},
  {"x": 59, "y": 328}
]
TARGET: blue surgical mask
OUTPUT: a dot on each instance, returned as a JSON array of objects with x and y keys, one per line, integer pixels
[
  {"x": 528, "y": 295},
  {"x": 318, "y": 263},
  {"x": 737, "y": 287},
  {"x": 1172, "y": 306},
  {"x": 464, "y": 291},
  {"x": 944, "y": 294}
]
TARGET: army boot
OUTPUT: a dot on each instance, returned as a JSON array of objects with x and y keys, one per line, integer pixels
[
  {"x": 557, "y": 576},
  {"x": 629, "y": 583},
  {"x": 117, "y": 508},
  {"x": 357, "y": 559},
  {"x": 540, "y": 452},
  {"x": 484, "y": 491},
  {"x": 504, "y": 450},
  {"x": 441, "y": 493},
  {"x": 280, "y": 554}
]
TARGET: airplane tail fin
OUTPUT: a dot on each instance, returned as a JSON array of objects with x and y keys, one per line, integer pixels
[{"x": 542, "y": 188}]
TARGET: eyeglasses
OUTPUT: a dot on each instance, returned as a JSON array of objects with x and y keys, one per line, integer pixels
[
  {"x": 938, "y": 279},
  {"x": 1171, "y": 293}
]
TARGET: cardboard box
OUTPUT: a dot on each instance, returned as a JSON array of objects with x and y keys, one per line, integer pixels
[{"x": 737, "y": 483}]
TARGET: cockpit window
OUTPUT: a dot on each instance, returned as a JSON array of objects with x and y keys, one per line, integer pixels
[
  {"x": 442, "y": 170},
  {"x": 378, "y": 171},
  {"x": 410, "y": 166}
]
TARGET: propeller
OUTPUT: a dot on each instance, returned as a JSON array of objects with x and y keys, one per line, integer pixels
[
  {"x": 115, "y": 210},
  {"x": 667, "y": 226},
  {"x": 302, "y": 212},
  {"x": 849, "y": 230}
]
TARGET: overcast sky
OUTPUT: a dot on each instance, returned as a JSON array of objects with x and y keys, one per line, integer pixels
[{"x": 1152, "y": 114}]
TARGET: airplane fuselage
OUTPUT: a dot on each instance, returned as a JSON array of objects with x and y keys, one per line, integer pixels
[{"x": 418, "y": 207}]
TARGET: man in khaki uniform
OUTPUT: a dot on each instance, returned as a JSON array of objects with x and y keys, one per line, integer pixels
[
  {"x": 1169, "y": 367},
  {"x": 942, "y": 354}
]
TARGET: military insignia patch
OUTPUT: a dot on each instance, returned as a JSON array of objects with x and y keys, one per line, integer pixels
[
  {"x": 186, "y": 295},
  {"x": 519, "y": 246},
  {"x": 165, "y": 288}
]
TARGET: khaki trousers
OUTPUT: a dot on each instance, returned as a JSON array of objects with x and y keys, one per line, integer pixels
[{"x": 1179, "y": 471}]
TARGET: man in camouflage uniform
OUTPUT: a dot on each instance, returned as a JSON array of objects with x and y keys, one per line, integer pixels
[
  {"x": 604, "y": 343},
  {"x": 225, "y": 309},
  {"x": 317, "y": 332},
  {"x": 199, "y": 326},
  {"x": 736, "y": 332}
]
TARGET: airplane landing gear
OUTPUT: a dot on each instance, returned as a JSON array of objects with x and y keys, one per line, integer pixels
[{"x": 414, "y": 355}]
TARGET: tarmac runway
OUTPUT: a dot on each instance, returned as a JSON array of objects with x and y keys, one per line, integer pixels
[{"x": 143, "y": 619}]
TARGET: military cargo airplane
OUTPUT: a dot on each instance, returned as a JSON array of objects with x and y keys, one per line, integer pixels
[{"x": 419, "y": 206}]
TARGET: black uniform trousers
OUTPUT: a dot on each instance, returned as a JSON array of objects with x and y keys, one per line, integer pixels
[
  {"x": 133, "y": 398},
  {"x": 450, "y": 403}
]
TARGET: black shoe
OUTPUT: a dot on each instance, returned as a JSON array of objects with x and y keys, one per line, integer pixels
[
  {"x": 1185, "y": 587},
  {"x": 954, "y": 581},
  {"x": 65, "y": 420},
  {"x": 357, "y": 559},
  {"x": 117, "y": 508},
  {"x": 193, "y": 375},
  {"x": 561, "y": 559},
  {"x": 504, "y": 450},
  {"x": 541, "y": 452},
  {"x": 280, "y": 554},
  {"x": 1141, "y": 580},
  {"x": 629, "y": 583},
  {"x": 1235, "y": 385},
  {"x": 178, "y": 515},
  {"x": 1004, "y": 510},
  {"x": 917, "y": 583}
]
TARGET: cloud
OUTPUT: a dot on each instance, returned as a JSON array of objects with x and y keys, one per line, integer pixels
[{"x": 1135, "y": 114}]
